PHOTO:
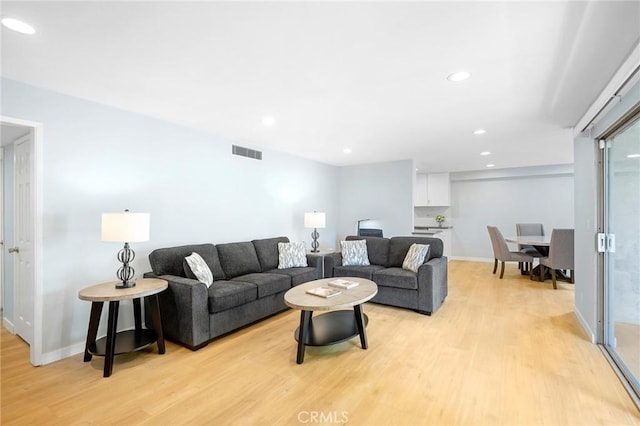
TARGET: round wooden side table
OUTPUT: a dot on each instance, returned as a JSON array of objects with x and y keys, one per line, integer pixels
[{"x": 115, "y": 343}]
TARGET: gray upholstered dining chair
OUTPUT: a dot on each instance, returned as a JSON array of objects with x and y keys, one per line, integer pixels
[
  {"x": 529, "y": 229},
  {"x": 502, "y": 253},
  {"x": 561, "y": 256}
]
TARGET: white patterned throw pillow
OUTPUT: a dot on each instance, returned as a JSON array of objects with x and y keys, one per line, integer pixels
[
  {"x": 415, "y": 257},
  {"x": 200, "y": 268},
  {"x": 292, "y": 255},
  {"x": 354, "y": 253}
]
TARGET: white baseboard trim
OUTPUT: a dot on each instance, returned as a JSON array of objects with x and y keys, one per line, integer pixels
[
  {"x": 67, "y": 351},
  {"x": 472, "y": 259},
  {"x": 8, "y": 325},
  {"x": 585, "y": 326},
  {"x": 58, "y": 354}
]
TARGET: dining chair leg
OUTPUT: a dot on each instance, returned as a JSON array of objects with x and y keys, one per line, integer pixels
[
  {"x": 495, "y": 265},
  {"x": 502, "y": 269},
  {"x": 542, "y": 272},
  {"x": 530, "y": 268},
  {"x": 553, "y": 278},
  {"x": 571, "y": 271}
]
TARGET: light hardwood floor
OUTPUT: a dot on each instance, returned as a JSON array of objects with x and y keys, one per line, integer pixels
[{"x": 498, "y": 352}]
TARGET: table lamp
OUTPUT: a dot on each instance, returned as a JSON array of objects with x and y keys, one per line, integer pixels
[
  {"x": 314, "y": 220},
  {"x": 125, "y": 227}
]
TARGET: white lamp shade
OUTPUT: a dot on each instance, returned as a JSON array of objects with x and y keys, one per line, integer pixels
[
  {"x": 125, "y": 227},
  {"x": 314, "y": 220}
]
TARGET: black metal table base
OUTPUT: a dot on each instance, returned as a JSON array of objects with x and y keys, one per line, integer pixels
[
  {"x": 330, "y": 328},
  {"x": 115, "y": 343}
]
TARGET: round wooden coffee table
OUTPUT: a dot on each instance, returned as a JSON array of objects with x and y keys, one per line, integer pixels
[{"x": 335, "y": 326}]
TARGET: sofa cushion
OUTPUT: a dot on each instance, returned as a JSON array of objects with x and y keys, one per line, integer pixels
[
  {"x": 396, "y": 277},
  {"x": 268, "y": 284},
  {"x": 292, "y": 255},
  {"x": 377, "y": 249},
  {"x": 238, "y": 259},
  {"x": 354, "y": 252},
  {"x": 356, "y": 271},
  {"x": 225, "y": 295},
  {"x": 196, "y": 266},
  {"x": 415, "y": 257},
  {"x": 169, "y": 261},
  {"x": 399, "y": 246},
  {"x": 267, "y": 251},
  {"x": 298, "y": 275}
]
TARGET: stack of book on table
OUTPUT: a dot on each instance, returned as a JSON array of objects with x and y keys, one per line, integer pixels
[{"x": 337, "y": 285}]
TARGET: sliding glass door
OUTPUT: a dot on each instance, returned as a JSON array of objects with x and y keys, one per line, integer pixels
[{"x": 622, "y": 259}]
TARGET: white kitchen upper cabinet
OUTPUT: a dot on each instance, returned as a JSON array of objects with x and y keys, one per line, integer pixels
[
  {"x": 438, "y": 189},
  {"x": 420, "y": 193},
  {"x": 432, "y": 189}
]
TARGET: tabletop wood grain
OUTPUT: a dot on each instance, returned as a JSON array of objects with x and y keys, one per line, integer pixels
[{"x": 107, "y": 292}]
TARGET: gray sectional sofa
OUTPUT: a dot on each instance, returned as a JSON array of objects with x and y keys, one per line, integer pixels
[
  {"x": 423, "y": 292},
  {"x": 247, "y": 287}
]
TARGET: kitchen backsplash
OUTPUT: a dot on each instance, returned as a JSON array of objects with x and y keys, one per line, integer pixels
[{"x": 426, "y": 216}]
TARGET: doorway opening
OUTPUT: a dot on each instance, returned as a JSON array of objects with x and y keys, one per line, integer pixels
[{"x": 21, "y": 232}]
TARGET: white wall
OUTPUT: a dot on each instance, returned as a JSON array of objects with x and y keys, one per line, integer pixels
[
  {"x": 503, "y": 198},
  {"x": 100, "y": 159},
  {"x": 382, "y": 192},
  {"x": 586, "y": 216}
]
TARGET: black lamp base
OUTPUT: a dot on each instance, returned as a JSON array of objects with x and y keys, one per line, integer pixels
[
  {"x": 126, "y": 284},
  {"x": 125, "y": 273},
  {"x": 315, "y": 244}
]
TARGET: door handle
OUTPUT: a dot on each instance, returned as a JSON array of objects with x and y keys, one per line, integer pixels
[{"x": 14, "y": 250}]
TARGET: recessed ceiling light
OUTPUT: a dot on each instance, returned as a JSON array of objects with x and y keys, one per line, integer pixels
[
  {"x": 479, "y": 132},
  {"x": 491, "y": 165},
  {"x": 633, "y": 156},
  {"x": 459, "y": 76},
  {"x": 268, "y": 121},
  {"x": 485, "y": 153},
  {"x": 347, "y": 150},
  {"x": 17, "y": 25}
]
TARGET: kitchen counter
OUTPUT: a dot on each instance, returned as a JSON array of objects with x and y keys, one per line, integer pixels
[
  {"x": 429, "y": 230},
  {"x": 425, "y": 228},
  {"x": 426, "y": 232}
]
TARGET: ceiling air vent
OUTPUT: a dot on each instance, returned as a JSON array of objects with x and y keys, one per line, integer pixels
[{"x": 246, "y": 152}]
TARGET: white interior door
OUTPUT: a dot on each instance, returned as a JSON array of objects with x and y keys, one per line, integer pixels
[{"x": 24, "y": 250}]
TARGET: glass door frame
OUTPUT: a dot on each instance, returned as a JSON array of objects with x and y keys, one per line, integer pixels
[{"x": 631, "y": 383}]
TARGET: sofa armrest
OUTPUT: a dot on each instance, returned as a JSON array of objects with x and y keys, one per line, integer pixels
[
  {"x": 184, "y": 310},
  {"x": 315, "y": 261},
  {"x": 331, "y": 260},
  {"x": 432, "y": 284}
]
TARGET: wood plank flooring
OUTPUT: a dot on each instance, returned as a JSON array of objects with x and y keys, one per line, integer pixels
[{"x": 498, "y": 352}]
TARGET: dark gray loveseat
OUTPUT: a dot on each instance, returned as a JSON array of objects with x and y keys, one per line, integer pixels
[
  {"x": 423, "y": 292},
  {"x": 247, "y": 286}
]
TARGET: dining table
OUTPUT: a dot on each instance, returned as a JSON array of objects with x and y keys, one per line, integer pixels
[{"x": 540, "y": 243}]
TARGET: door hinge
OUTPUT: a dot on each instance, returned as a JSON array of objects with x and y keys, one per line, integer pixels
[{"x": 606, "y": 243}]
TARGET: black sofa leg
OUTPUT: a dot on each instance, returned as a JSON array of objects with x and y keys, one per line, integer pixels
[
  {"x": 194, "y": 348},
  {"x": 423, "y": 312}
]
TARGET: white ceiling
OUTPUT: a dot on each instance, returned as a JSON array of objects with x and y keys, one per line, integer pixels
[{"x": 369, "y": 76}]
